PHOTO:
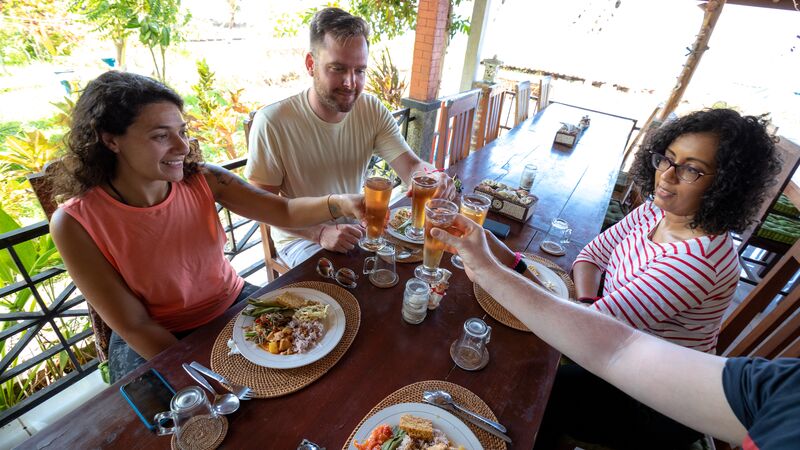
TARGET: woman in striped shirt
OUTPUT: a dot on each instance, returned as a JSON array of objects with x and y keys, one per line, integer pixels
[{"x": 670, "y": 267}]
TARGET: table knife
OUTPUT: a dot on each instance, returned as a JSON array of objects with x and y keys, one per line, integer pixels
[{"x": 473, "y": 421}]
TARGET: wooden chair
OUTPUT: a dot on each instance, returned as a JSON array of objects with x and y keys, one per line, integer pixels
[
  {"x": 522, "y": 92},
  {"x": 43, "y": 188},
  {"x": 491, "y": 105},
  {"x": 272, "y": 261},
  {"x": 759, "y": 328},
  {"x": 544, "y": 93},
  {"x": 790, "y": 156},
  {"x": 453, "y": 138}
]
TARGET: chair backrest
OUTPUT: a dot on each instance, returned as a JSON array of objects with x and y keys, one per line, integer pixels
[
  {"x": 455, "y": 127},
  {"x": 491, "y": 106},
  {"x": 544, "y": 93},
  {"x": 758, "y": 327},
  {"x": 789, "y": 153},
  {"x": 273, "y": 264},
  {"x": 43, "y": 189},
  {"x": 522, "y": 91}
]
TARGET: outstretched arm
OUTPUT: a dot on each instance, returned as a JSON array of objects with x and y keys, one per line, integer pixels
[
  {"x": 244, "y": 199},
  {"x": 105, "y": 289},
  {"x": 681, "y": 383}
]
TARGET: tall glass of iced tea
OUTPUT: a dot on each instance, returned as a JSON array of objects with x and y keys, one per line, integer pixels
[
  {"x": 440, "y": 214},
  {"x": 377, "y": 191},
  {"x": 474, "y": 207},
  {"x": 423, "y": 187}
]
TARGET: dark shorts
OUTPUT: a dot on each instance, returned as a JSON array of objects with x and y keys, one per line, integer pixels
[{"x": 122, "y": 359}]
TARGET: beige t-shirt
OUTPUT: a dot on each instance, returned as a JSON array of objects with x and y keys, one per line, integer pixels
[{"x": 292, "y": 148}]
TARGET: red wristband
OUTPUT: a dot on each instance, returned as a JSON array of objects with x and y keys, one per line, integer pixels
[
  {"x": 588, "y": 300},
  {"x": 517, "y": 259}
]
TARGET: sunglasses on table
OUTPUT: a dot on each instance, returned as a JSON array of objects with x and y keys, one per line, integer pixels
[
  {"x": 344, "y": 277},
  {"x": 685, "y": 173}
]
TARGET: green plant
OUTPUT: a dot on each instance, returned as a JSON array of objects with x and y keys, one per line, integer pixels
[
  {"x": 35, "y": 30},
  {"x": 28, "y": 153},
  {"x": 387, "y": 18},
  {"x": 216, "y": 119},
  {"x": 112, "y": 18},
  {"x": 385, "y": 83},
  {"x": 159, "y": 23}
]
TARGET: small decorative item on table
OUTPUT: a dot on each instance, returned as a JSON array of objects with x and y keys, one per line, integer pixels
[
  {"x": 517, "y": 204},
  {"x": 569, "y": 134},
  {"x": 438, "y": 289},
  {"x": 415, "y": 301}
]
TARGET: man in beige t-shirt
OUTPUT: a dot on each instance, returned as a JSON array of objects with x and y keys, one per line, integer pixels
[{"x": 320, "y": 141}]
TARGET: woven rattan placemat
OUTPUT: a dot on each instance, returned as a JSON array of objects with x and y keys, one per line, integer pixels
[
  {"x": 201, "y": 433},
  {"x": 463, "y": 396},
  {"x": 501, "y": 314},
  {"x": 266, "y": 382}
]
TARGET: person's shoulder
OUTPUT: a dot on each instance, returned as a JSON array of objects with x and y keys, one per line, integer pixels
[{"x": 281, "y": 110}]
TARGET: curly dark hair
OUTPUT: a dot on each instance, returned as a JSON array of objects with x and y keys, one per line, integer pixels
[
  {"x": 747, "y": 163},
  {"x": 110, "y": 103},
  {"x": 340, "y": 24}
]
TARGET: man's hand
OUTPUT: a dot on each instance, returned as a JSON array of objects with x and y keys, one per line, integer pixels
[
  {"x": 471, "y": 245},
  {"x": 340, "y": 238},
  {"x": 348, "y": 205}
]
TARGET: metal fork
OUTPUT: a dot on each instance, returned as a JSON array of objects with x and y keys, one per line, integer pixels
[{"x": 243, "y": 392}]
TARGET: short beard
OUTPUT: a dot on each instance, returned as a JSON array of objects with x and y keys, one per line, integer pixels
[{"x": 326, "y": 98}]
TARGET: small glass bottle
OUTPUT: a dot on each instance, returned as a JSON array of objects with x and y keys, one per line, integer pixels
[{"x": 415, "y": 301}]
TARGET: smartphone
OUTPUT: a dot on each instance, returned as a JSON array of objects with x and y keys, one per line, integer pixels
[
  {"x": 148, "y": 395},
  {"x": 498, "y": 229}
]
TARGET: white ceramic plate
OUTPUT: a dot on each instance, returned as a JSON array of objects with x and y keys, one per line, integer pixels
[
  {"x": 547, "y": 274},
  {"x": 334, "y": 330},
  {"x": 457, "y": 432},
  {"x": 398, "y": 235}
]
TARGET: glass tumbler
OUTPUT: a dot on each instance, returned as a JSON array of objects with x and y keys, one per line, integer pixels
[
  {"x": 528, "y": 176},
  {"x": 189, "y": 405},
  {"x": 382, "y": 272},
  {"x": 469, "y": 352},
  {"x": 415, "y": 301},
  {"x": 557, "y": 238}
]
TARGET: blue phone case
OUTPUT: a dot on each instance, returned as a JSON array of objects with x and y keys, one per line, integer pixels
[
  {"x": 148, "y": 423},
  {"x": 498, "y": 229}
]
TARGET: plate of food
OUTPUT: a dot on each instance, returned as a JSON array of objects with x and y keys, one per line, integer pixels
[
  {"x": 399, "y": 220},
  {"x": 551, "y": 280},
  {"x": 289, "y": 328},
  {"x": 408, "y": 426}
]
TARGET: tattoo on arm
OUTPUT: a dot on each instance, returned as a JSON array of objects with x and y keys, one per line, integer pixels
[
  {"x": 334, "y": 209},
  {"x": 222, "y": 176}
]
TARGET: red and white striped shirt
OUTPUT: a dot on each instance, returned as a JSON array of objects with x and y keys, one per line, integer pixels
[{"x": 677, "y": 291}]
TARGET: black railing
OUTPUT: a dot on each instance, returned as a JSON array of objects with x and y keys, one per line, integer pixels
[{"x": 23, "y": 327}]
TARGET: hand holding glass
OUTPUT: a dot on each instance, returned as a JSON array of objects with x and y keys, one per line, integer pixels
[
  {"x": 439, "y": 214},
  {"x": 474, "y": 207}
]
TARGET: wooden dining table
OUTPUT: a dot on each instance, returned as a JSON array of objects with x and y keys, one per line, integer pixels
[{"x": 387, "y": 352}]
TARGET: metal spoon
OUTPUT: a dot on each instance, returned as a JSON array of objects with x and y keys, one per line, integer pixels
[
  {"x": 223, "y": 404},
  {"x": 444, "y": 398}
]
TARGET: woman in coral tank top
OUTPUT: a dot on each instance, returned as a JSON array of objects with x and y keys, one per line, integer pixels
[{"x": 139, "y": 232}]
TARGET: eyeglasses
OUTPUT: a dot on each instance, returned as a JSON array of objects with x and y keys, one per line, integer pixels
[
  {"x": 686, "y": 173},
  {"x": 345, "y": 277}
]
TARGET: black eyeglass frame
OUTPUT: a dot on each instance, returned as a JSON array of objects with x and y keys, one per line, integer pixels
[{"x": 680, "y": 169}]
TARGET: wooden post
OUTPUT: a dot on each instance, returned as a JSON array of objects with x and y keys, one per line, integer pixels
[{"x": 713, "y": 10}]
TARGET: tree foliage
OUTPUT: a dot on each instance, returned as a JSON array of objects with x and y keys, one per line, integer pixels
[
  {"x": 387, "y": 18},
  {"x": 33, "y": 30},
  {"x": 159, "y": 23},
  {"x": 112, "y": 18}
]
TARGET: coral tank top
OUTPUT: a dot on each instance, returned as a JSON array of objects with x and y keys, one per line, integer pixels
[{"x": 170, "y": 255}]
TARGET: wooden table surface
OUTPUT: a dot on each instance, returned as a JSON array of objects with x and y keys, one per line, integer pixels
[{"x": 388, "y": 353}]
